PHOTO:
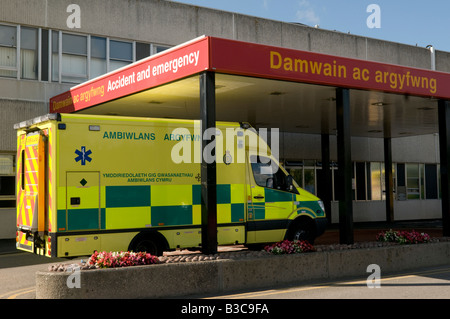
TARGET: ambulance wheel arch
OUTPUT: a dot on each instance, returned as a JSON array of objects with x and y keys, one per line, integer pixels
[
  {"x": 151, "y": 242},
  {"x": 301, "y": 228}
]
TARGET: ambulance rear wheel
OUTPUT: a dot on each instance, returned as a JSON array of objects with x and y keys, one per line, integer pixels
[
  {"x": 149, "y": 246},
  {"x": 150, "y": 243}
]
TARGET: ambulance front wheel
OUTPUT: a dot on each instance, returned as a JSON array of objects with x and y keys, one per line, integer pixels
[
  {"x": 153, "y": 244},
  {"x": 302, "y": 229}
]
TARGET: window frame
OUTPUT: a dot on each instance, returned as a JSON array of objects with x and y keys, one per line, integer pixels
[
  {"x": 38, "y": 54},
  {"x": 155, "y": 48},
  {"x": 17, "y": 69},
  {"x": 10, "y": 197},
  {"x": 52, "y": 61},
  {"x": 59, "y": 54}
]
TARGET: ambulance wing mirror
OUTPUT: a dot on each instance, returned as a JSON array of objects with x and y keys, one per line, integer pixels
[
  {"x": 290, "y": 184},
  {"x": 269, "y": 182}
]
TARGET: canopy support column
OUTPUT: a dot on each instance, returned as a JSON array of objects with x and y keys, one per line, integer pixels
[
  {"x": 208, "y": 166},
  {"x": 326, "y": 189},
  {"x": 389, "y": 179},
  {"x": 344, "y": 166},
  {"x": 444, "y": 148}
]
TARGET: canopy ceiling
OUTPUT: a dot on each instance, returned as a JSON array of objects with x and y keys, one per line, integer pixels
[{"x": 289, "y": 106}]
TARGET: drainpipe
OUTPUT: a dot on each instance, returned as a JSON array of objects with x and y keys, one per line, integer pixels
[{"x": 433, "y": 57}]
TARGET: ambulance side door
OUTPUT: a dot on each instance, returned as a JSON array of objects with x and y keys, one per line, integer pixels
[{"x": 271, "y": 202}]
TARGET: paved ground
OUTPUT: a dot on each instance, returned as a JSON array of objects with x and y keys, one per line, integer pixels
[
  {"x": 7, "y": 246},
  {"x": 423, "y": 283}
]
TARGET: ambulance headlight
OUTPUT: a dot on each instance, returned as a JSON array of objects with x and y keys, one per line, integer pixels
[{"x": 322, "y": 206}]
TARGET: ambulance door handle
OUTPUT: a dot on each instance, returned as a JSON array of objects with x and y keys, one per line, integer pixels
[
  {"x": 258, "y": 197},
  {"x": 75, "y": 201}
]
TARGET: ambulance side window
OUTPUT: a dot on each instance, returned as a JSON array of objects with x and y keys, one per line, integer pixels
[{"x": 268, "y": 174}]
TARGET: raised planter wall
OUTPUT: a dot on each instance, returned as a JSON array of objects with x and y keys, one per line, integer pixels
[{"x": 219, "y": 276}]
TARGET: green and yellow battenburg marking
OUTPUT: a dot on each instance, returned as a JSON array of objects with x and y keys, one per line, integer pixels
[{"x": 88, "y": 183}]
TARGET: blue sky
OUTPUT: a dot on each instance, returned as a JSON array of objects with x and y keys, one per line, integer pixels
[{"x": 410, "y": 22}]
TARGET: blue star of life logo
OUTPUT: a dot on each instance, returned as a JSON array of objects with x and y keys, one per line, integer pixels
[{"x": 83, "y": 155}]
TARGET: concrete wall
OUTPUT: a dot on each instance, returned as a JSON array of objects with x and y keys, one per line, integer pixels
[
  {"x": 417, "y": 209},
  {"x": 12, "y": 112},
  {"x": 169, "y": 22},
  {"x": 420, "y": 149},
  {"x": 375, "y": 211},
  {"x": 220, "y": 276},
  {"x": 7, "y": 223}
]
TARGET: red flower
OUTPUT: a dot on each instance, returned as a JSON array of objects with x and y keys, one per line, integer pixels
[
  {"x": 122, "y": 259},
  {"x": 403, "y": 237},
  {"x": 289, "y": 247}
]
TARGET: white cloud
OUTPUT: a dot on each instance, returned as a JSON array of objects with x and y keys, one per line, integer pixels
[{"x": 306, "y": 13}]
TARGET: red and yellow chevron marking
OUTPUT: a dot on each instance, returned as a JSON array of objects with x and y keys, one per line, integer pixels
[
  {"x": 28, "y": 191},
  {"x": 22, "y": 217},
  {"x": 49, "y": 179},
  {"x": 32, "y": 191},
  {"x": 23, "y": 242},
  {"x": 32, "y": 212},
  {"x": 41, "y": 185},
  {"x": 20, "y": 146}
]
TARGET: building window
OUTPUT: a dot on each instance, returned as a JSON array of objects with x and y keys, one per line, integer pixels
[
  {"x": 368, "y": 179},
  {"x": 120, "y": 54},
  {"x": 309, "y": 177},
  {"x": 142, "y": 50},
  {"x": 98, "y": 57},
  {"x": 55, "y": 56},
  {"x": 79, "y": 58},
  {"x": 305, "y": 174},
  {"x": 418, "y": 181},
  {"x": 7, "y": 181},
  {"x": 8, "y": 51},
  {"x": 431, "y": 181},
  {"x": 157, "y": 48},
  {"x": 361, "y": 181},
  {"x": 376, "y": 181},
  {"x": 24, "y": 50},
  {"x": 413, "y": 178},
  {"x": 411, "y": 181},
  {"x": 29, "y": 53},
  {"x": 297, "y": 174},
  {"x": 49, "y": 55},
  {"x": 74, "y": 58}
]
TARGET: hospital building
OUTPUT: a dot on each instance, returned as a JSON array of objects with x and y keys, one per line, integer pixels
[{"x": 393, "y": 93}]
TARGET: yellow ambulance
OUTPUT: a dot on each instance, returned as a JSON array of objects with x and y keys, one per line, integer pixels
[{"x": 109, "y": 183}]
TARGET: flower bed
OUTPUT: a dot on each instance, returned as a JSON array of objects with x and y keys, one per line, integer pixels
[
  {"x": 403, "y": 237},
  {"x": 290, "y": 247},
  {"x": 120, "y": 259},
  {"x": 124, "y": 259}
]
